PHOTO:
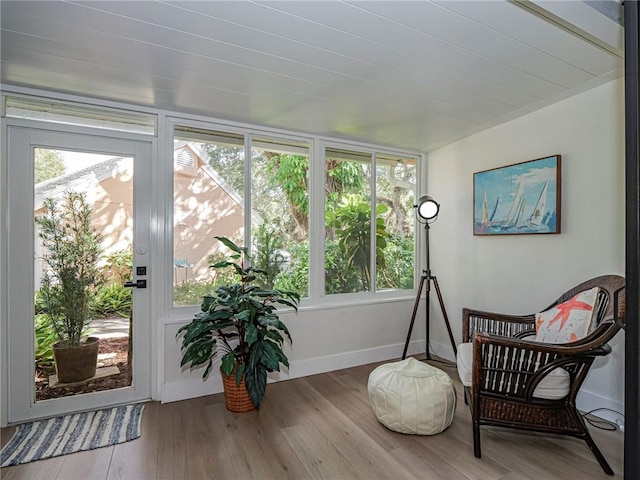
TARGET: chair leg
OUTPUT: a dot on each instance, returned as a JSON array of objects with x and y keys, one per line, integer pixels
[
  {"x": 476, "y": 440},
  {"x": 598, "y": 454},
  {"x": 586, "y": 436},
  {"x": 475, "y": 425}
]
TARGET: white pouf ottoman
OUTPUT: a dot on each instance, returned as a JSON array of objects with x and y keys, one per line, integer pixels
[{"x": 412, "y": 397}]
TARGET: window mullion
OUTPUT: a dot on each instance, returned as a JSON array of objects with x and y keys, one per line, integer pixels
[
  {"x": 247, "y": 190},
  {"x": 317, "y": 165},
  {"x": 372, "y": 242}
]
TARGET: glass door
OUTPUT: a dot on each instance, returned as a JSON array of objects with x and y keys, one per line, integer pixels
[{"x": 79, "y": 215}]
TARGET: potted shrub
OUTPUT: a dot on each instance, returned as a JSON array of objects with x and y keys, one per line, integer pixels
[
  {"x": 239, "y": 321},
  {"x": 73, "y": 248}
]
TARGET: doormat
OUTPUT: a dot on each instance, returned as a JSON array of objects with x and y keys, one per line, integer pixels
[{"x": 72, "y": 433}]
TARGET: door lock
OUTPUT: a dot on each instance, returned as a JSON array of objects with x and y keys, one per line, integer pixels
[{"x": 136, "y": 284}]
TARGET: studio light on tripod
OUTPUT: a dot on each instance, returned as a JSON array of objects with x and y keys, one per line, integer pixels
[{"x": 427, "y": 210}]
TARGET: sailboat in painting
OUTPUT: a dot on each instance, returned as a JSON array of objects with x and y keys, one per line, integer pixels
[
  {"x": 520, "y": 221},
  {"x": 484, "y": 220},
  {"x": 535, "y": 220},
  {"x": 511, "y": 218},
  {"x": 495, "y": 208}
]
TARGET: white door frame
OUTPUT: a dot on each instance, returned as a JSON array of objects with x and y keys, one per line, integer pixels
[{"x": 18, "y": 342}]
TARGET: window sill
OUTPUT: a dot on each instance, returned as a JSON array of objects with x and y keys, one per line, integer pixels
[{"x": 182, "y": 314}]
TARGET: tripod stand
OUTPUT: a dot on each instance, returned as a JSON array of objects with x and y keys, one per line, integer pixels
[{"x": 428, "y": 278}]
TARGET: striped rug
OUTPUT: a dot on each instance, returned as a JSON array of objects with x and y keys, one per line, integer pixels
[{"x": 72, "y": 433}]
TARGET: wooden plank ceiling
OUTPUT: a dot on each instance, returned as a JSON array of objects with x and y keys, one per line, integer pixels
[{"x": 414, "y": 74}]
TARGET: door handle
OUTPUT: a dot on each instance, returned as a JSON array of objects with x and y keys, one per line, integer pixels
[{"x": 136, "y": 284}]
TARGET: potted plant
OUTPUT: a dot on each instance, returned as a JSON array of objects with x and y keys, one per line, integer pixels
[
  {"x": 73, "y": 248},
  {"x": 240, "y": 321}
]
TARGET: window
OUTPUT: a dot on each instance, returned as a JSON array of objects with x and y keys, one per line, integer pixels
[
  {"x": 280, "y": 211},
  {"x": 395, "y": 197},
  {"x": 258, "y": 190},
  {"x": 208, "y": 185},
  {"x": 368, "y": 212},
  {"x": 71, "y": 113},
  {"x": 348, "y": 215}
]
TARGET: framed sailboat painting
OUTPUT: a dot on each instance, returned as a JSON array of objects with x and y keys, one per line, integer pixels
[{"x": 518, "y": 199}]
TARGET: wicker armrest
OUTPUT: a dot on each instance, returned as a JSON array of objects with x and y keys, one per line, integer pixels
[
  {"x": 515, "y": 367},
  {"x": 495, "y": 323},
  {"x": 560, "y": 349}
]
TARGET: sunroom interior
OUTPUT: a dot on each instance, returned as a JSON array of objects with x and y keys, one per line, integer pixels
[{"x": 422, "y": 94}]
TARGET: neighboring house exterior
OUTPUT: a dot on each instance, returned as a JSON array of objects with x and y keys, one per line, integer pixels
[{"x": 205, "y": 206}]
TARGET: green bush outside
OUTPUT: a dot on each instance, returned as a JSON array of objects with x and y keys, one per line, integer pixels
[
  {"x": 45, "y": 338},
  {"x": 398, "y": 269},
  {"x": 295, "y": 276},
  {"x": 186, "y": 294},
  {"x": 111, "y": 300},
  {"x": 397, "y": 272}
]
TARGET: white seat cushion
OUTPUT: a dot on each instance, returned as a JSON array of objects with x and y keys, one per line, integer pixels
[
  {"x": 552, "y": 387},
  {"x": 412, "y": 397}
]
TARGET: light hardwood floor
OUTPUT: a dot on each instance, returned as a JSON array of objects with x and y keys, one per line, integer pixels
[{"x": 321, "y": 427}]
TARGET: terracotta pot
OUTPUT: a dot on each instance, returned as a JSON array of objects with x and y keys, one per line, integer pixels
[
  {"x": 74, "y": 364},
  {"x": 236, "y": 397}
]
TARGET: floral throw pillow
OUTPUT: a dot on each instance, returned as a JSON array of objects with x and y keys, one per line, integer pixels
[{"x": 568, "y": 321}]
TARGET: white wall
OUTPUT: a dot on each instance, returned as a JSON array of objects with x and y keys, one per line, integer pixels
[
  {"x": 522, "y": 274},
  {"x": 324, "y": 339}
]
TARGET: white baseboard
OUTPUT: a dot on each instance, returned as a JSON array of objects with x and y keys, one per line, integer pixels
[
  {"x": 587, "y": 401},
  {"x": 192, "y": 388},
  {"x": 442, "y": 350},
  {"x": 176, "y": 391}
]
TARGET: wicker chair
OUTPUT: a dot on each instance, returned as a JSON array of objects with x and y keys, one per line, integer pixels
[{"x": 506, "y": 369}]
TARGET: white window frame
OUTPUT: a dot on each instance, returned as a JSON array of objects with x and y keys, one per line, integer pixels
[
  {"x": 339, "y": 299},
  {"x": 317, "y": 162},
  {"x": 86, "y": 139},
  {"x": 66, "y": 113}
]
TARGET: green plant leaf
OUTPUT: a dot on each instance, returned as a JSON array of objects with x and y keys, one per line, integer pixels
[
  {"x": 244, "y": 316},
  {"x": 197, "y": 330},
  {"x": 197, "y": 353},
  {"x": 277, "y": 323},
  {"x": 229, "y": 244},
  {"x": 255, "y": 355},
  {"x": 256, "y": 381},
  {"x": 223, "y": 264},
  {"x": 282, "y": 357},
  {"x": 251, "y": 334},
  {"x": 239, "y": 373},
  {"x": 275, "y": 336},
  {"x": 228, "y": 362},
  {"x": 290, "y": 303},
  {"x": 207, "y": 370},
  {"x": 270, "y": 357},
  {"x": 218, "y": 316}
]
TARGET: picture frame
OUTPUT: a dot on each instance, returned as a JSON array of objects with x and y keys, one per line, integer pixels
[{"x": 519, "y": 199}]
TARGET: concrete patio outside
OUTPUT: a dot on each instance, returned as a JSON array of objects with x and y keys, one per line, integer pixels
[{"x": 109, "y": 327}]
